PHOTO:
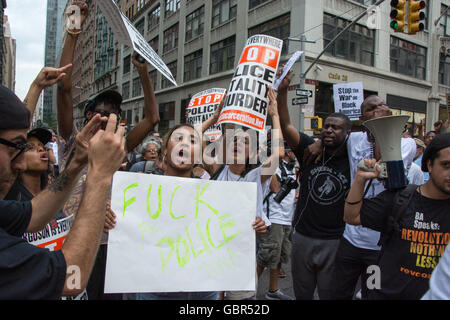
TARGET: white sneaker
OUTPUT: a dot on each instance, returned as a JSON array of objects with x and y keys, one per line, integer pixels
[{"x": 277, "y": 295}]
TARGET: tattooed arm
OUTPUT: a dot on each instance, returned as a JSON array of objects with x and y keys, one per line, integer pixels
[{"x": 47, "y": 204}]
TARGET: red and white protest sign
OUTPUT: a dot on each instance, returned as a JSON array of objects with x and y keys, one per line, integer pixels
[
  {"x": 202, "y": 107},
  {"x": 247, "y": 99}
]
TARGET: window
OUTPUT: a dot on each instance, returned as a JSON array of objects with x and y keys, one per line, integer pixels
[
  {"x": 408, "y": 58},
  {"x": 366, "y": 2},
  {"x": 444, "y": 22},
  {"x": 167, "y": 117},
  {"x": 153, "y": 18},
  {"x": 255, "y": 3},
  {"x": 357, "y": 44},
  {"x": 170, "y": 38},
  {"x": 127, "y": 64},
  {"x": 153, "y": 78},
  {"x": 279, "y": 28},
  {"x": 137, "y": 87},
  {"x": 444, "y": 69},
  {"x": 194, "y": 23},
  {"x": 193, "y": 66},
  {"x": 222, "y": 55},
  {"x": 165, "y": 83},
  {"x": 140, "y": 26},
  {"x": 126, "y": 90},
  {"x": 154, "y": 43},
  {"x": 223, "y": 11},
  {"x": 171, "y": 7}
]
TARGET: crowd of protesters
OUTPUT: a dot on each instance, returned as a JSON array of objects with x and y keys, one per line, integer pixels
[{"x": 334, "y": 222}]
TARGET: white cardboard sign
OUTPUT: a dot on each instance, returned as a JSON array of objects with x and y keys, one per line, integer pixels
[
  {"x": 180, "y": 235},
  {"x": 348, "y": 98}
]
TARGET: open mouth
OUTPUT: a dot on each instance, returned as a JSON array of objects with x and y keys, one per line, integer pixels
[{"x": 182, "y": 156}]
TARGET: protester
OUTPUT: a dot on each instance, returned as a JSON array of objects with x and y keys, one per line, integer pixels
[
  {"x": 152, "y": 154},
  {"x": 105, "y": 103},
  {"x": 185, "y": 142},
  {"x": 52, "y": 269},
  {"x": 429, "y": 137},
  {"x": 358, "y": 248},
  {"x": 236, "y": 160},
  {"x": 275, "y": 245},
  {"x": 52, "y": 146},
  {"x": 415, "y": 236},
  {"x": 420, "y": 146}
]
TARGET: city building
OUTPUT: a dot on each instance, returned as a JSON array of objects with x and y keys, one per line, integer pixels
[
  {"x": 9, "y": 69},
  {"x": 201, "y": 42},
  {"x": 2, "y": 42},
  {"x": 53, "y": 45}
]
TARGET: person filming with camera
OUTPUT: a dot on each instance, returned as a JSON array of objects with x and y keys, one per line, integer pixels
[{"x": 275, "y": 245}]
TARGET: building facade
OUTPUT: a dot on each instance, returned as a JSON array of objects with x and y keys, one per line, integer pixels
[
  {"x": 53, "y": 45},
  {"x": 201, "y": 42},
  {"x": 2, "y": 42},
  {"x": 9, "y": 68}
]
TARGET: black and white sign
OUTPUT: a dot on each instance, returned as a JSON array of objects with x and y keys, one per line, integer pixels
[
  {"x": 304, "y": 93},
  {"x": 301, "y": 100}
]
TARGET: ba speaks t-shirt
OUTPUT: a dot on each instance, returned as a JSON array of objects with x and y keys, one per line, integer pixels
[
  {"x": 414, "y": 251},
  {"x": 323, "y": 189}
]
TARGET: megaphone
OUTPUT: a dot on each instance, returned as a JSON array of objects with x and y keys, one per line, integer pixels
[{"x": 388, "y": 135}]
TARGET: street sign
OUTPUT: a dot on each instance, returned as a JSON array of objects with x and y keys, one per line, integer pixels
[
  {"x": 304, "y": 93},
  {"x": 301, "y": 100}
]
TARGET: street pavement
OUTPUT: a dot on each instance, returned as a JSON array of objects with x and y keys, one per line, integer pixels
[{"x": 284, "y": 284}]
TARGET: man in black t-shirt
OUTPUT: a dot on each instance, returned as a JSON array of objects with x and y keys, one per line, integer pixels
[
  {"x": 318, "y": 220},
  {"x": 416, "y": 245},
  {"x": 29, "y": 272}
]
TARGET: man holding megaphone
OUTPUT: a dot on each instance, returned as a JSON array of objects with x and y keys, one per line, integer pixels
[{"x": 415, "y": 233}]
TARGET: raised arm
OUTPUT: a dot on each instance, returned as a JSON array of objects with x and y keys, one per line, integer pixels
[
  {"x": 49, "y": 202},
  {"x": 47, "y": 77},
  {"x": 353, "y": 203},
  {"x": 151, "y": 113},
  {"x": 290, "y": 133},
  {"x": 271, "y": 164},
  {"x": 106, "y": 151},
  {"x": 64, "y": 91}
]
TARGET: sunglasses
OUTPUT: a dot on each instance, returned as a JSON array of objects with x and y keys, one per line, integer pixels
[{"x": 21, "y": 147}]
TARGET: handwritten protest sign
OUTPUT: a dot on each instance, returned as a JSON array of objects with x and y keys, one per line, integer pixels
[
  {"x": 202, "y": 106},
  {"x": 127, "y": 34},
  {"x": 180, "y": 235},
  {"x": 247, "y": 99},
  {"x": 348, "y": 98}
]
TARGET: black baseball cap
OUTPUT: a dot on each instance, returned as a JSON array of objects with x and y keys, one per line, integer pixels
[
  {"x": 441, "y": 141},
  {"x": 108, "y": 97},
  {"x": 13, "y": 113},
  {"x": 43, "y": 135}
]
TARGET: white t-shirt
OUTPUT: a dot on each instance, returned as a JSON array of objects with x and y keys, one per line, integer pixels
[
  {"x": 54, "y": 147},
  {"x": 415, "y": 175},
  {"x": 358, "y": 148},
  {"x": 281, "y": 213},
  {"x": 252, "y": 176},
  {"x": 440, "y": 279}
]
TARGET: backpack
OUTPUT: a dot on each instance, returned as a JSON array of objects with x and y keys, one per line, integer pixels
[{"x": 402, "y": 198}]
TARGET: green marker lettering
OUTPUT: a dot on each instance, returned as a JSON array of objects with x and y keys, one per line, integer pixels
[
  {"x": 182, "y": 261},
  {"x": 158, "y": 212},
  {"x": 198, "y": 201},
  {"x": 164, "y": 261},
  {"x": 171, "y": 201},
  {"x": 130, "y": 201},
  {"x": 202, "y": 238}
]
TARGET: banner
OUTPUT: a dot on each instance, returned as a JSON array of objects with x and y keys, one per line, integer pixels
[
  {"x": 202, "y": 106},
  {"x": 127, "y": 34},
  {"x": 247, "y": 99},
  {"x": 180, "y": 235},
  {"x": 348, "y": 98}
]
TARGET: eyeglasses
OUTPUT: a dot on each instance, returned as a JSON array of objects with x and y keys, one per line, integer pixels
[
  {"x": 152, "y": 150},
  {"x": 21, "y": 147}
]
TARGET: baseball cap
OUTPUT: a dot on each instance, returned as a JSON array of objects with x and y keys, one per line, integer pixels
[
  {"x": 43, "y": 135},
  {"x": 14, "y": 114},
  {"x": 108, "y": 96},
  {"x": 441, "y": 141}
]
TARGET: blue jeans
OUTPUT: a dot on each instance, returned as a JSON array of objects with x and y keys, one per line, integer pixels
[{"x": 177, "y": 296}]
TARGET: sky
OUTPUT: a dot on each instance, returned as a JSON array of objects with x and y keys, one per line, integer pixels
[{"x": 27, "y": 19}]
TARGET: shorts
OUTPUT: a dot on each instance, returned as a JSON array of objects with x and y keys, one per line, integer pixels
[{"x": 274, "y": 246}]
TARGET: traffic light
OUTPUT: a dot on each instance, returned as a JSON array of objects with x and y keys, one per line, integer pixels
[
  {"x": 398, "y": 15},
  {"x": 415, "y": 15}
]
